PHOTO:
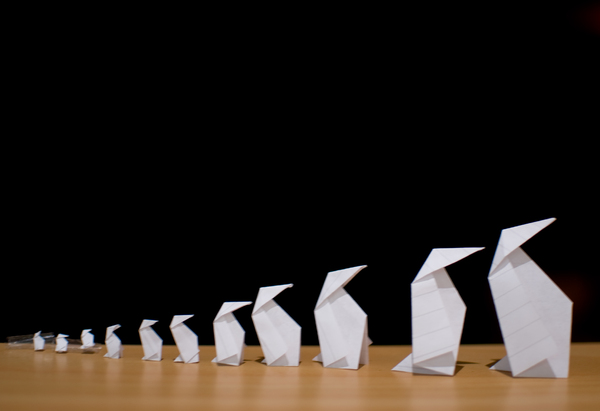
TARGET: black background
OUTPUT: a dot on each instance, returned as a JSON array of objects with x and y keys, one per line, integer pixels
[{"x": 163, "y": 165}]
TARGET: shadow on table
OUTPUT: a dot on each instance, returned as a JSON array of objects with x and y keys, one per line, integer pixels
[{"x": 494, "y": 362}]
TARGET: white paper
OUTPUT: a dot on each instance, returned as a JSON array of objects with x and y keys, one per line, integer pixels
[
  {"x": 186, "y": 340},
  {"x": 341, "y": 324},
  {"x": 61, "y": 343},
  {"x": 87, "y": 339},
  {"x": 229, "y": 335},
  {"x": 151, "y": 342},
  {"x": 278, "y": 333},
  {"x": 38, "y": 341},
  {"x": 113, "y": 343},
  {"x": 438, "y": 315},
  {"x": 535, "y": 315}
]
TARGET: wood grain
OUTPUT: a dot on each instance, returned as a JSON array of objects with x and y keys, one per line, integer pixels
[{"x": 48, "y": 381}]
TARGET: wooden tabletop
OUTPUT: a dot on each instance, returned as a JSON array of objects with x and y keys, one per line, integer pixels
[{"x": 45, "y": 381}]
